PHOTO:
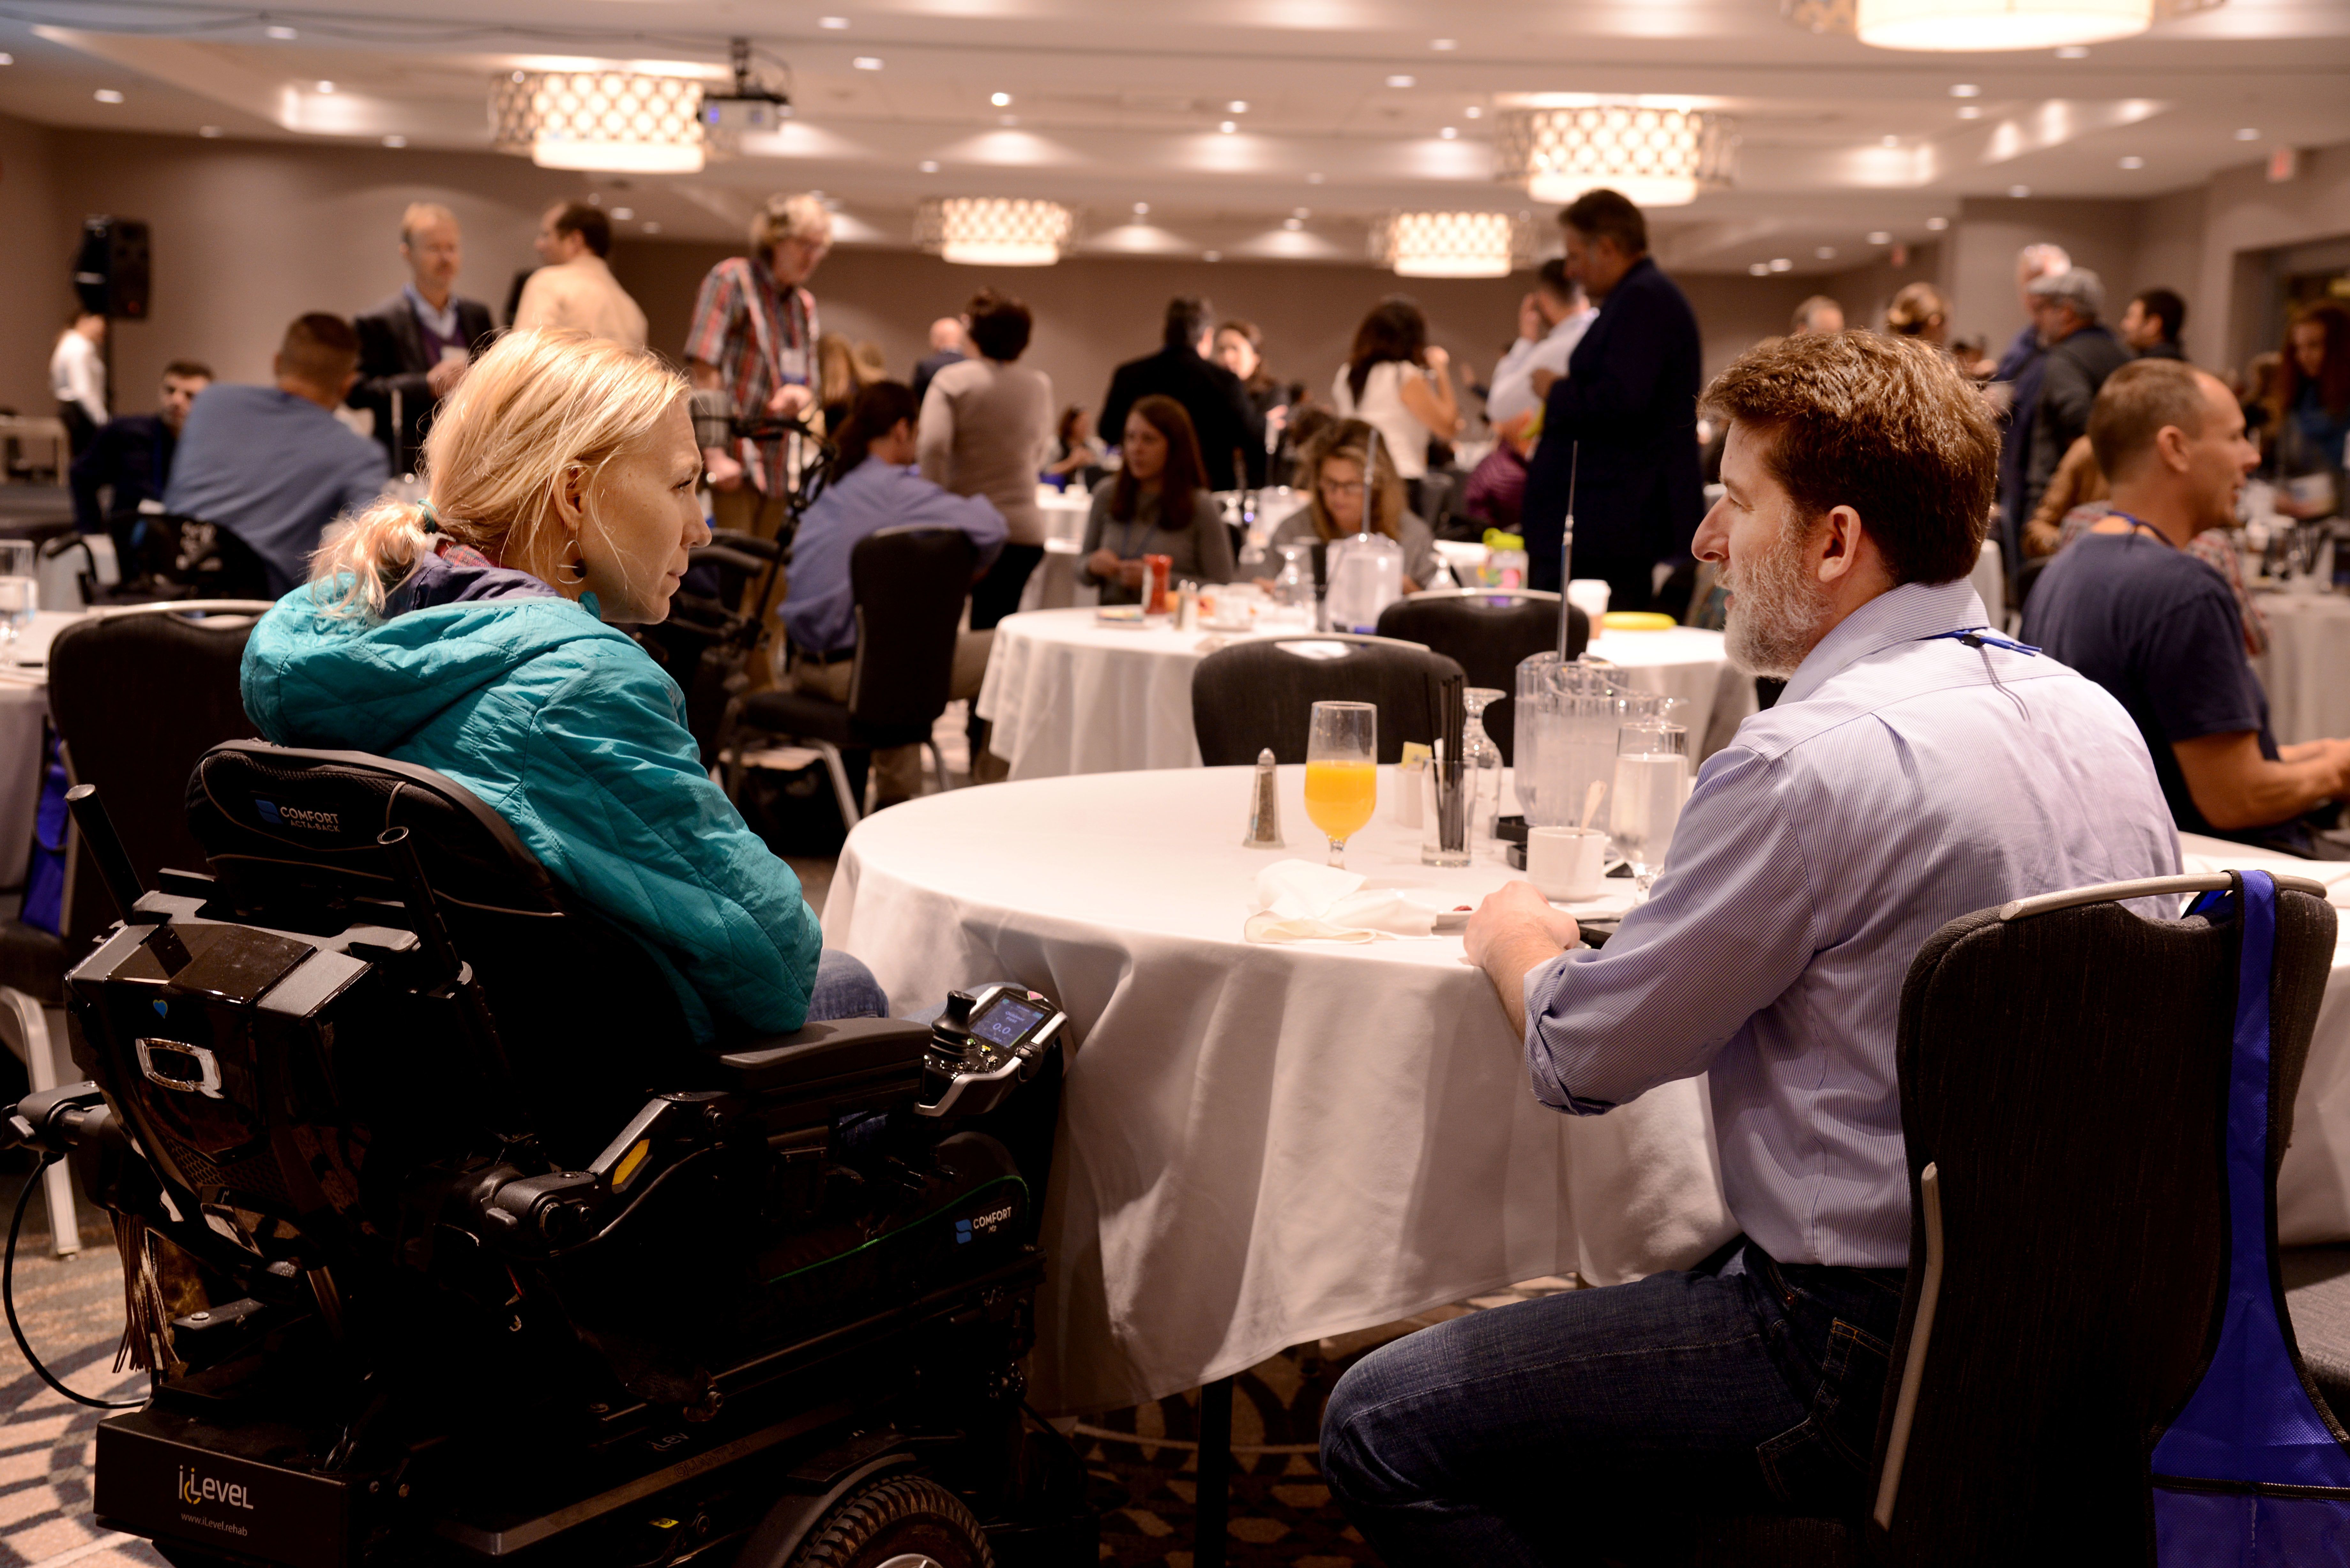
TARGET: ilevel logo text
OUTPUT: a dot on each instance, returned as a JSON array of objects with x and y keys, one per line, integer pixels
[{"x": 196, "y": 1489}]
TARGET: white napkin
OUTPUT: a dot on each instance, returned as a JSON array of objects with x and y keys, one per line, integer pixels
[{"x": 1298, "y": 902}]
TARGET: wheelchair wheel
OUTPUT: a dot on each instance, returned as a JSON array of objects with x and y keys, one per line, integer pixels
[{"x": 902, "y": 1522}]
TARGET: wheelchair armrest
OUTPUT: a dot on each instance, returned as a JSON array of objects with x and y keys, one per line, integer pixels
[
  {"x": 727, "y": 556},
  {"x": 749, "y": 544},
  {"x": 821, "y": 1051}
]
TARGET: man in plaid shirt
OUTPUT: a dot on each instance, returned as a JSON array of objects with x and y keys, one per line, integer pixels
[{"x": 753, "y": 338}]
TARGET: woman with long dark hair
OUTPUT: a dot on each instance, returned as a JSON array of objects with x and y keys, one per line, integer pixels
[
  {"x": 1400, "y": 385},
  {"x": 1157, "y": 505},
  {"x": 2310, "y": 409},
  {"x": 1344, "y": 483},
  {"x": 1240, "y": 349}
]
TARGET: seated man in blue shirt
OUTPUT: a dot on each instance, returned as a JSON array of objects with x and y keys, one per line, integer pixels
[
  {"x": 130, "y": 462},
  {"x": 2128, "y": 607},
  {"x": 271, "y": 465},
  {"x": 874, "y": 486},
  {"x": 1907, "y": 778}
]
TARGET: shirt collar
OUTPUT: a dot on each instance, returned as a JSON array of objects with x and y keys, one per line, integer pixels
[
  {"x": 443, "y": 320},
  {"x": 1909, "y": 613},
  {"x": 1573, "y": 319}
]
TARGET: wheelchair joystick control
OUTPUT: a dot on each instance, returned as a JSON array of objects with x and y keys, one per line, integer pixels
[
  {"x": 986, "y": 1044},
  {"x": 959, "y": 1006}
]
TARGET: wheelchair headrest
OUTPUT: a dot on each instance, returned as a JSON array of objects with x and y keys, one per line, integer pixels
[{"x": 272, "y": 819}]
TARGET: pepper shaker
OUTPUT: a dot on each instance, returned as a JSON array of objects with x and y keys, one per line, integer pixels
[{"x": 1264, "y": 813}]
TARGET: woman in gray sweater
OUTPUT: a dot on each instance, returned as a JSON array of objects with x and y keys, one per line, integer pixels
[{"x": 1157, "y": 505}]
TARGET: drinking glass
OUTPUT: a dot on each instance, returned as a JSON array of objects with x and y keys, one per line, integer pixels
[
  {"x": 1483, "y": 759},
  {"x": 1342, "y": 770},
  {"x": 1651, "y": 778},
  {"x": 19, "y": 593}
]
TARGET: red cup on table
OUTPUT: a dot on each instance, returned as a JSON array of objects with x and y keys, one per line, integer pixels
[{"x": 1157, "y": 570}]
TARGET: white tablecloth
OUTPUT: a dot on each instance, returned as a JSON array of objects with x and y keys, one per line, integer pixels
[
  {"x": 1067, "y": 695},
  {"x": 2313, "y": 1183},
  {"x": 23, "y": 703},
  {"x": 1260, "y": 1145},
  {"x": 2307, "y": 666}
]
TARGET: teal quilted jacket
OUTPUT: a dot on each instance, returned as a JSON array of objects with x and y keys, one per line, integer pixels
[{"x": 574, "y": 735}]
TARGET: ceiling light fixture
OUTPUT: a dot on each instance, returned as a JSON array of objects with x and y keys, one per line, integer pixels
[
  {"x": 2133, "y": 162},
  {"x": 1143, "y": 209},
  {"x": 1880, "y": 238},
  {"x": 1000, "y": 100},
  {"x": 1451, "y": 245},
  {"x": 867, "y": 62},
  {"x": 1449, "y": 133},
  {"x": 1938, "y": 224},
  {"x": 1982, "y": 25},
  {"x": 395, "y": 141},
  {"x": 1780, "y": 263},
  {"x": 1825, "y": 253},
  {"x": 7, "y": 59},
  {"x": 995, "y": 230},
  {"x": 1227, "y": 127},
  {"x": 615, "y": 120},
  {"x": 1758, "y": 269},
  {"x": 1444, "y": 45},
  {"x": 326, "y": 86},
  {"x": 832, "y": 24},
  {"x": 2248, "y": 134},
  {"x": 107, "y": 95},
  {"x": 622, "y": 215},
  {"x": 1401, "y": 81},
  {"x": 2019, "y": 191},
  {"x": 1969, "y": 112},
  {"x": 1656, "y": 157},
  {"x": 1238, "y": 106},
  {"x": 1474, "y": 111},
  {"x": 283, "y": 35},
  {"x": 1965, "y": 90},
  {"x": 928, "y": 166}
]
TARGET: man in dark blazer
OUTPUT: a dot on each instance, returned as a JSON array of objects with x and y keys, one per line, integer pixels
[
  {"x": 1223, "y": 417},
  {"x": 418, "y": 342},
  {"x": 1628, "y": 402}
]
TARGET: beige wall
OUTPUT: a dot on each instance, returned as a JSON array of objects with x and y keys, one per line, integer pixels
[
  {"x": 2244, "y": 215},
  {"x": 1980, "y": 278},
  {"x": 35, "y": 267}
]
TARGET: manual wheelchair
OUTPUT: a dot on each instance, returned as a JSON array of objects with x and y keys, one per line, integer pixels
[{"x": 446, "y": 1245}]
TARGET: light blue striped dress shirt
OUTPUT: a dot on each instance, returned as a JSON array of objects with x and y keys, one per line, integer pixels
[{"x": 1899, "y": 783}]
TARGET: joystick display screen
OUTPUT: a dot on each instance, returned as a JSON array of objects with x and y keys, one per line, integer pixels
[{"x": 1006, "y": 1021}]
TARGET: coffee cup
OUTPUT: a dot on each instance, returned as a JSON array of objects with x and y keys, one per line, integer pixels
[{"x": 1564, "y": 863}]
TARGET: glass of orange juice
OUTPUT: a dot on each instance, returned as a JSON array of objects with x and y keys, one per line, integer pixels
[{"x": 1342, "y": 770}]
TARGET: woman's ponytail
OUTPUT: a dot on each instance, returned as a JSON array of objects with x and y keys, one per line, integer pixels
[
  {"x": 359, "y": 564},
  {"x": 877, "y": 410}
]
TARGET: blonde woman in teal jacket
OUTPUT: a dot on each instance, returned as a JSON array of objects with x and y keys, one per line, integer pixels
[{"x": 468, "y": 634}]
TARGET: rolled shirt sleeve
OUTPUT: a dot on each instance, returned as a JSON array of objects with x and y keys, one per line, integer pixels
[{"x": 1729, "y": 926}]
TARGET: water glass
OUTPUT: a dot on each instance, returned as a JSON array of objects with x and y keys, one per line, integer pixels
[
  {"x": 20, "y": 595},
  {"x": 1342, "y": 770},
  {"x": 1651, "y": 781}
]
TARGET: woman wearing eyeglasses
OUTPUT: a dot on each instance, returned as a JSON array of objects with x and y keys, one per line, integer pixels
[{"x": 1333, "y": 466}]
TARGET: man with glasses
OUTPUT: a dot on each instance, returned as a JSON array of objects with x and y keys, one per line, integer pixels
[
  {"x": 415, "y": 347},
  {"x": 754, "y": 338}
]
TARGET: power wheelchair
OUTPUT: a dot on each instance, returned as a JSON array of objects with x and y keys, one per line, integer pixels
[{"x": 445, "y": 1244}]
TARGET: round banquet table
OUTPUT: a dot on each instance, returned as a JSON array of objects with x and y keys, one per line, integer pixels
[
  {"x": 2303, "y": 669},
  {"x": 1260, "y": 1145},
  {"x": 1067, "y": 695},
  {"x": 24, "y": 704},
  {"x": 2313, "y": 1181}
]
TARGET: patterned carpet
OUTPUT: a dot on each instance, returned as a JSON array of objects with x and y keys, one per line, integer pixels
[{"x": 1143, "y": 1461}]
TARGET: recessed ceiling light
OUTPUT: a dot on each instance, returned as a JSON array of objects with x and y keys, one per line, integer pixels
[
  {"x": 1445, "y": 44},
  {"x": 867, "y": 62},
  {"x": 1825, "y": 253},
  {"x": 929, "y": 165},
  {"x": 1780, "y": 263},
  {"x": 280, "y": 32},
  {"x": 1474, "y": 111},
  {"x": 2019, "y": 191},
  {"x": 1938, "y": 224},
  {"x": 622, "y": 215},
  {"x": 326, "y": 86},
  {"x": 1760, "y": 269},
  {"x": 395, "y": 141},
  {"x": 1965, "y": 90},
  {"x": 1880, "y": 238},
  {"x": 2248, "y": 134},
  {"x": 1238, "y": 106},
  {"x": 1211, "y": 256},
  {"x": 1314, "y": 179},
  {"x": 2073, "y": 52},
  {"x": 1971, "y": 112},
  {"x": 1449, "y": 133},
  {"x": 1400, "y": 81},
  {"x": 2133, "y": 162},
  {"x": 832, "y": 24},
  {"x": 1228, "y": 127},
  {"x": 211, "y": 130},
  {"x": 652, "y": 228},
  {"x": 1000, "y": 100},
  {"x": 7, "y": 59},
  {"x": 107, "y": 95},
  {"x": 1143, "y": 209},
  {"x": 1293, "y": 224}
]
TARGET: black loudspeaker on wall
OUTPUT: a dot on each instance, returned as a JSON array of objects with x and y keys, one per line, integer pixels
[{"x": 111, "y": 274}]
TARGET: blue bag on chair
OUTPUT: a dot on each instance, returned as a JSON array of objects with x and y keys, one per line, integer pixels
[
  {"x": 2253, "y": 1473},
  {"x": 44, "y": 877}
]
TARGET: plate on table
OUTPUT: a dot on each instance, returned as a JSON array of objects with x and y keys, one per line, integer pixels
[
  {"x": 1128, "y": 616},
  {"x": 1637, "y": 620}
]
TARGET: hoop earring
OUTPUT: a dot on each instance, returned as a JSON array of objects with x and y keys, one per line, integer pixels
[{"x": 577, "y": 568}]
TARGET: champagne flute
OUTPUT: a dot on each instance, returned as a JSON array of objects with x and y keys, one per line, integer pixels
[
  {"x": 1342, "y": 770},
  {"x": 1651, "y": 780}
]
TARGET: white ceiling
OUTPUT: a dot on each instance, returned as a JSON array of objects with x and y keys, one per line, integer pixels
[{"x": 1115, "y": 103}]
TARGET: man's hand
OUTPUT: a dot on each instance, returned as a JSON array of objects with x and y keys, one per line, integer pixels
[
  {"x": 723, "y": 472},
  {"x": 1541, "y": 377},
  {"x": 786, "y": 401},
  {"x": 444, "y": 375},
  {"x": 1514, "y": 932}
]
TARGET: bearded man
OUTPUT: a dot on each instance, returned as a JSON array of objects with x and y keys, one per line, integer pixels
[{"x": 1918, "y": 768}]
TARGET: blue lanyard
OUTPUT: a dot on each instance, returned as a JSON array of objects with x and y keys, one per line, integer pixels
[{"x": 1976, "y": 636}]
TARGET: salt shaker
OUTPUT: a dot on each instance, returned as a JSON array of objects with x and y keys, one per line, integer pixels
[{"x": 1265, "y": 814}]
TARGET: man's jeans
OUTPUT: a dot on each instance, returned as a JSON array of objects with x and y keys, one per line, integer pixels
[
  {"x": 845, "y": 988},
  {"x": 1601, "y": 1422}
]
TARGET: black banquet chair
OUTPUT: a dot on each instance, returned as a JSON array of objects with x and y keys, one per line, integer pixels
[
  {"x": 909, "y": 584},
  {"x": 1261, "y": 693},
  {"x": 1489, "y": 632},
  {"x": 2065, "y": 1085}
]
